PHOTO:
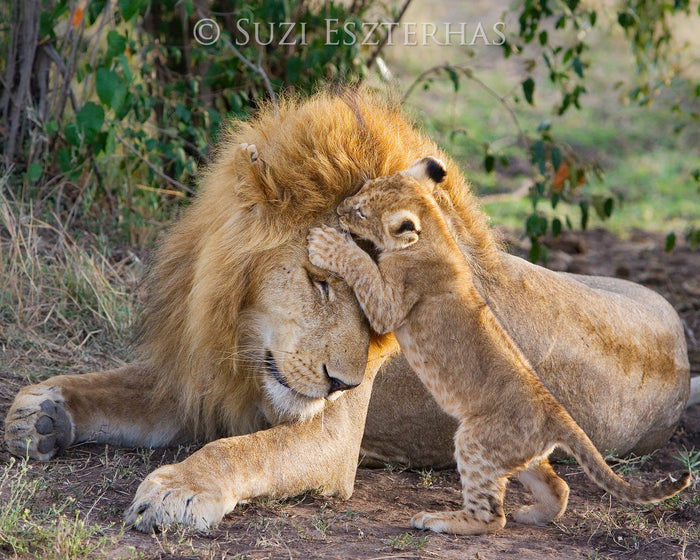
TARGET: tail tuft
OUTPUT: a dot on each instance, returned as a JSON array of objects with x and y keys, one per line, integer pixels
[{"x": 645, "y": 495}]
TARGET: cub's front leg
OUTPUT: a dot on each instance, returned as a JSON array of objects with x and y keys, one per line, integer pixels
[
  {"x": 337, "y": 252},
  {"x": 381, "y": 302}
]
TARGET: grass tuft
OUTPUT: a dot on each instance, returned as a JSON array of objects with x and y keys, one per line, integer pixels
[{"x": 52, "y": 533}]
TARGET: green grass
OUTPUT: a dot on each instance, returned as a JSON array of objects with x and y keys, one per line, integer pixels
[
  {"x": 31, "y": 530},
  {"x": 406, "y": 541}
]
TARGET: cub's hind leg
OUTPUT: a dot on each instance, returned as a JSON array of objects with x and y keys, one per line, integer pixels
[
  {"x": 483, "y": 489},
  {"x": 550, "y": 492}
]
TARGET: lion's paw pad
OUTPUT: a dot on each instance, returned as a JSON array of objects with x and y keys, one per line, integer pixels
[{"x": 38, "y": 424}]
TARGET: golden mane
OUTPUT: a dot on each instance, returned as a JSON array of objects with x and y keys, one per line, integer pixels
[{"x": 314, "y": 153}]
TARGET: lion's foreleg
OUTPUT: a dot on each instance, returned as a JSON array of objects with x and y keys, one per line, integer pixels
[
  {"x": 286, "y": 460},
  {"x": 116, "y": 406}
]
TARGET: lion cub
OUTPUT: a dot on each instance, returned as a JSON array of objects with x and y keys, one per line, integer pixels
[{"x": 422, "y": 289}]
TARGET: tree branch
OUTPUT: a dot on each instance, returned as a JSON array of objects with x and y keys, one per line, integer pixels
[
  {"x": 257, "y": 69},
  {"x": 381, "y": 46},
  {"x": 153, "y": 168},
  {"x": 469, "y": 74}
]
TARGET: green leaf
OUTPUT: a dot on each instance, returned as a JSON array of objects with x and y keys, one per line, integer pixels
[
  {"x": 578, "y": 66},
  {"x": 110, "y": 141},
  {"x": 584, "y": 205},
  {"x": 126, "y": 69},
  {"x": 556, "y": 197},
  {"x": 70, "y": 131},
  {"x": 536, "y": 226},
  {"x": 110, "y": 89},
  {"x": 453, "y": 77},
  {"x": 556, "y": 227},
  {"x": 529, "y": 90},
  {"x": 556, "y": 158},
  {"x": 538, "y": 156},
  {"x": 116, "y": 45},
  {"x": 35, "y": 171},
  {"x": 129, "y": 8},
  {"x": 625, "y": 20},
  {"x": 489, "y": 163},
  {"x": 608, "y": 206},
  {"x": 603, "y": 206},
  {"x": 65, "y": 160},
  {"x": 89, "y": 120},
  {"x": 670, "y": 242}
]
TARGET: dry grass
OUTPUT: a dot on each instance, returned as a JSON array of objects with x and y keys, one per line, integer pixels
[{"x": 60, "y": 296}]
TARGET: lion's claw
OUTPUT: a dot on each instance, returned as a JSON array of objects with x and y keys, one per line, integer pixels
[{"x": 166, "y": 497}]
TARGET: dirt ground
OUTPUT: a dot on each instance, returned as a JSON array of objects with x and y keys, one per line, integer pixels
[{"x": 374, "y": 523}]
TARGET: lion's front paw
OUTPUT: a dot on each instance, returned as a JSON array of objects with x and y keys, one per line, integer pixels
[
  {"x": 326, "y": 246},
  {"x": 38, "y": 424},
  {"x": 166, "y": 497}
]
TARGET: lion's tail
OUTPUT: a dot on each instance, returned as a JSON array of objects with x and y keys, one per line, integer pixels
[{"x": 580, "y": 446}]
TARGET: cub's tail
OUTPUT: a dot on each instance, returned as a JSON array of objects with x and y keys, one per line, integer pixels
[{"x": 593, "y": 464}]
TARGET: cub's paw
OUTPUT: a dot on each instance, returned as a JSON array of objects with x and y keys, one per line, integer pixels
[
  {"x": 429, "y": 521},
  {"x": 251, "y": 150},
  {"x": 325, "y": 246},
  {"x": 531, "y": 515},
  {"x": 166, "y": 497},
  {"x": 38, "y": 424},
  {"x": 456, "y": 522}
]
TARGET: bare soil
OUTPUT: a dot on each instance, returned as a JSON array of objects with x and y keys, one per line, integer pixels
[{"x": 374, "y": 522}]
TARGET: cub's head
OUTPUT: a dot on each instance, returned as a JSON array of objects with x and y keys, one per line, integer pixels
[{"x": 387, "y": 211}]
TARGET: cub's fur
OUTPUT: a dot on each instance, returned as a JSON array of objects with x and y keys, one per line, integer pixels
[{"x": 421, "y": 288}]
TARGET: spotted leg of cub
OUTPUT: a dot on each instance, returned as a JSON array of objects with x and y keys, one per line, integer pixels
[
  {"x": 483, "y": 490},
  {"x": 482, "y": 512},
  {"x": 550, "y": 492}
]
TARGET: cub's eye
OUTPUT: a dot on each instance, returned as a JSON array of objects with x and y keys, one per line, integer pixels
[{"x": 360, "y": 213}]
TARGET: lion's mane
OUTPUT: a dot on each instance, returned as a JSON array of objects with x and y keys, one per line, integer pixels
[{"x": 314, "y": 153}]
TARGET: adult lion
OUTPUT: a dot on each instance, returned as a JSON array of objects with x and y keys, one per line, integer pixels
[{"x": 243, "y": 339}]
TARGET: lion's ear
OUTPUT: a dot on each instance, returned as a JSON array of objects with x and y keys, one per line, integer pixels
[
  {"x": 403, "y": 227},
  {"x": 428, "y": 169}
]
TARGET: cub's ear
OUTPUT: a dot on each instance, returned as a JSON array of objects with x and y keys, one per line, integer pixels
[
  {"x": 428, "y": 168},
  {"x": 403, "y": 227}
]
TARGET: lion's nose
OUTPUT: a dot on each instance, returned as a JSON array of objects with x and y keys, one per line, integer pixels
[{"x": 337, "y": 384}]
